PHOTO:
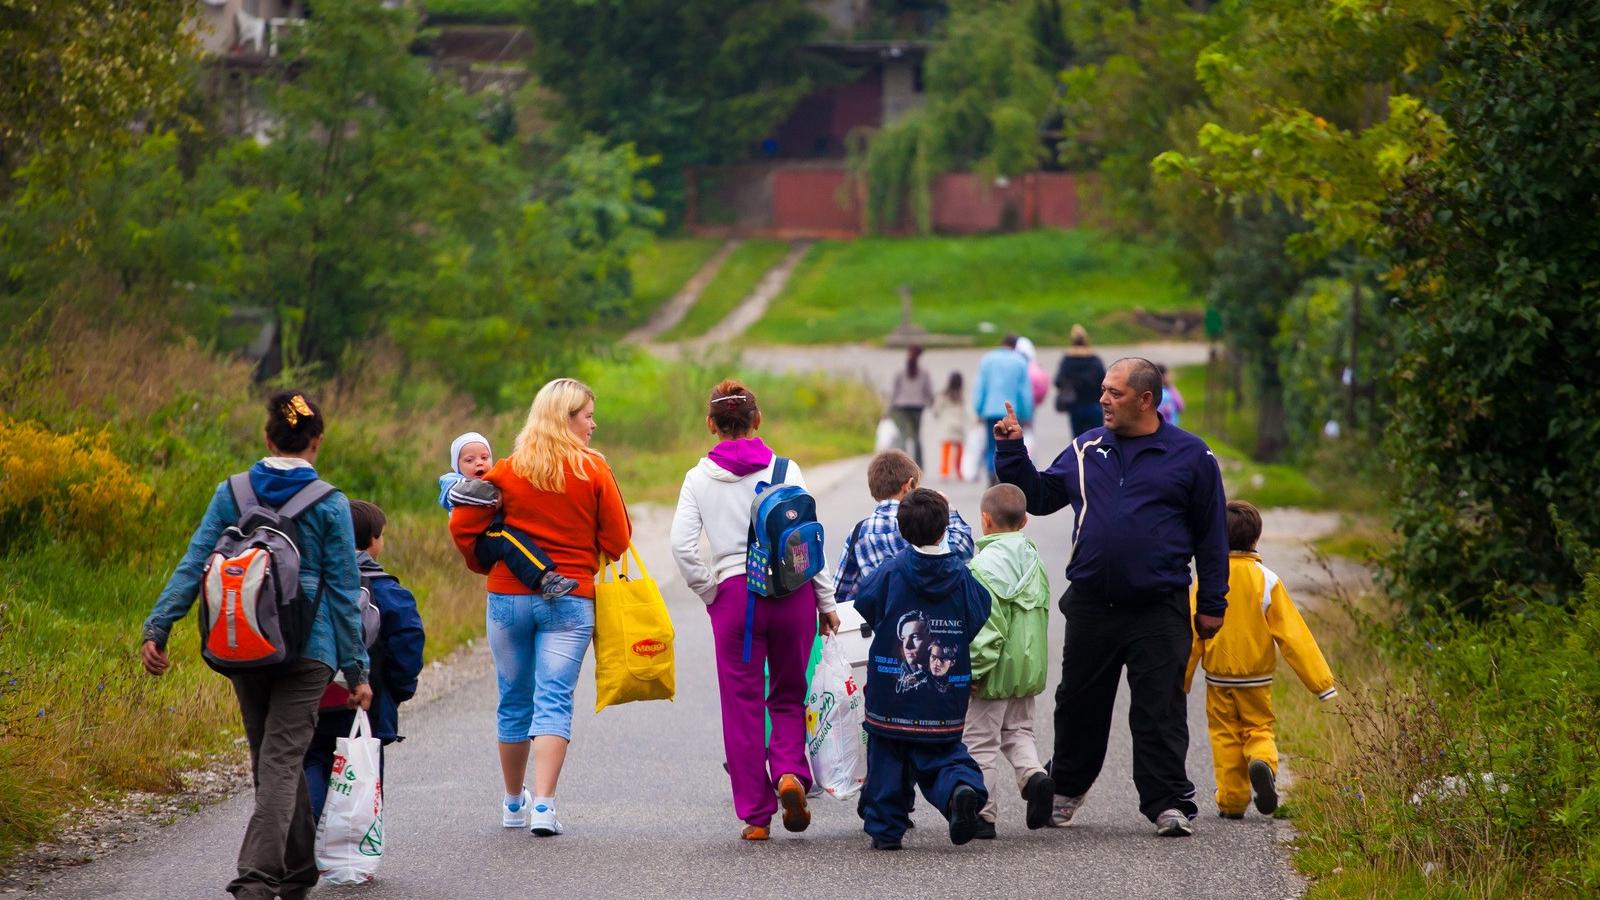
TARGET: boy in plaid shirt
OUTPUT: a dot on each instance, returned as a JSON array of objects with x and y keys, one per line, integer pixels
[{"x": 876, "y": 539}]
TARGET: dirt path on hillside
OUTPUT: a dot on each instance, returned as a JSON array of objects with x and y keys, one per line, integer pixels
[{"x": 687, "y": 296}]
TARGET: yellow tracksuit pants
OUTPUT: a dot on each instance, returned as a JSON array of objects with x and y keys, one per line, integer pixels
[{"x": 1240, "y": 720}]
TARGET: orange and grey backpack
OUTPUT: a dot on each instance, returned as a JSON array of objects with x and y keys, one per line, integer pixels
[{"x": 254, "y": 614}]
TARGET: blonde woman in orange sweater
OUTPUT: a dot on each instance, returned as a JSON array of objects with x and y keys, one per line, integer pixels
[{"x": 561, "y": 494}]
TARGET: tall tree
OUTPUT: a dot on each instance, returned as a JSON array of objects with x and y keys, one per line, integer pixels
[
  {"x": 1495, "y": 244},
  {"x": 78, "y": 76},
  {"x": 691, "y": 82}
]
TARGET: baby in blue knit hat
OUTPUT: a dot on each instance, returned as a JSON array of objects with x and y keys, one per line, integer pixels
[{"x": 470, "y": 459}]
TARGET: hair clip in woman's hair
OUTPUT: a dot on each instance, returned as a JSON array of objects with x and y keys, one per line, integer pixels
[
  {"x": 735, "y": 398},
  {"x": 296, "y": 409}
]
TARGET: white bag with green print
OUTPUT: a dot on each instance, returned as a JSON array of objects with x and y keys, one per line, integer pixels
[{"x": 350, "y": 834}]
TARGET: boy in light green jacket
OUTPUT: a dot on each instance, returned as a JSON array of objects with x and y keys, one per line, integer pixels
[{"x": 1009, "y": 656}]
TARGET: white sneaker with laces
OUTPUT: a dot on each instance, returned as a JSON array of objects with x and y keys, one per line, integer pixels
[
  {"x": 1062, "y": 809},
  {"x": 1172, "y": 823},
  {"x": 515, "y": 815},
  {"x": 545, "y": 823}
]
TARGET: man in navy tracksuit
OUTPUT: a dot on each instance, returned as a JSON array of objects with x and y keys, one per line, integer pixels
[
  {"x": 924, "y": 607},
  {"x": 1148, "y": 497}
]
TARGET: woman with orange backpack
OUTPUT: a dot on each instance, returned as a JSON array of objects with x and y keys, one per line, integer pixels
[{"x": 274, "y": 564}]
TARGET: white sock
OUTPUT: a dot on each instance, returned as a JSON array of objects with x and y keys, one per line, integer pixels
[
  {"x": 512, "y": 800},
  {"x": 545, "y": 801}
]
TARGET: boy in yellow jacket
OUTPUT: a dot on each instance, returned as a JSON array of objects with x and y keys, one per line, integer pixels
[{"x": 1239, "y": 663}]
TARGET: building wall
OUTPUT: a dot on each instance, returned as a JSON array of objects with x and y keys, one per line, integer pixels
[
  {"x": 789, "y": 200},
  {"x": 217, "y": 23},
  {"x": 901, "y": 91}
]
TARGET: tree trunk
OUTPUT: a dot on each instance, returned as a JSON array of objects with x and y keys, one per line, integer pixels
[{"x": 1272, "y": 432}]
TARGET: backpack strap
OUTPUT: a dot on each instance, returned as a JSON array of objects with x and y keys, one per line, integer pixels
[
  {"x": 244, "y": 496},
  {"x": 305, "y": 498},
  {"x": 780, "y": 470}
]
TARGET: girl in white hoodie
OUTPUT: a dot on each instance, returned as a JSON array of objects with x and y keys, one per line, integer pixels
[{"x": 715, "y": 499}]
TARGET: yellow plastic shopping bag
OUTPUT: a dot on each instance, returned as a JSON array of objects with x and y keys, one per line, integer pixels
[{"x": 632, "y": 636}]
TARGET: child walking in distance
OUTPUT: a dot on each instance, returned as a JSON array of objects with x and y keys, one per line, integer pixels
[
  {"x": 891, "y": 475},
  {"x": 1239, "y": 663},
  {"x": 1009, "y": 656},
  {"x": 395, "y": 654},
  {"x": 924, "y": 608},
  {"x": 951, "y": 421},
  {"x": 463, "y": 485}
]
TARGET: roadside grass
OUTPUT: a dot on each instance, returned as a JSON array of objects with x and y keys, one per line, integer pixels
[
  {"x": 737, "y": 278},
  {"x": 1035, "y": 283},
  {"x": 80, "y": 722},
  {"x": 662, "y": 268},
  {"x": 1228, "y": 425}
]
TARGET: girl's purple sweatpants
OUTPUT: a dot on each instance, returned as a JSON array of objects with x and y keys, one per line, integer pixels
[{"x": 782, "y": 635}]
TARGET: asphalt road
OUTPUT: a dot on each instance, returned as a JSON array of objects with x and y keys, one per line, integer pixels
[{"x": 648, "y": 810}]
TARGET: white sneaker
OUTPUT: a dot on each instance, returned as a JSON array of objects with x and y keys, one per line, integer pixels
[
  {"x": 545, "y": 823},
  {"x": 1172, "y": 823},
  {"x": 1062, "y": 809},
  {"x": 515, "y": 815}
]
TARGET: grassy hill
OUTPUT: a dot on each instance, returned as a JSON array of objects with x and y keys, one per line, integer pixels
[{"x": 1036, "y": 283}]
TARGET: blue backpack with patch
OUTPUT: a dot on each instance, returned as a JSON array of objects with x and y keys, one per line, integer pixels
[{"x": 785, "y": 542}]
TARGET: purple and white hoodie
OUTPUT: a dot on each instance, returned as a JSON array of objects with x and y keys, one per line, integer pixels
[{"x": 715, "y": 499}]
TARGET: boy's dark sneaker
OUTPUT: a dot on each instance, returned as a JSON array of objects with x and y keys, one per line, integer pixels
[
  {"x": 554, "y": 585},
  {"x": 1229, "y": 815},
  {"x": 965, "y": 803},
  {"x": 1265, "y": 784},
  {"x": 792, "y": 796},
  {"x": 985, "y": 830},
  {"x": 1040, "y": 793},
  {"x": 886, "y": 844}
]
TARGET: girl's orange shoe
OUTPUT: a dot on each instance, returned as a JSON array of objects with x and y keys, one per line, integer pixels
[
  {"x": 755, "y": 833},
  {"x": 792, "y": 794}
]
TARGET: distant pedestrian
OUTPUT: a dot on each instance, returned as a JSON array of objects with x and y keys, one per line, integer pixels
[
  {"x": 1002, "y": 379},
  {"x": 924, "y": 608},
  {"x": 1010, "y": 657},
  {"x": 1078, "y": 383},
  {"x": 1038, "y": 378},
  {"x": 395, "y": 652},
  {"x": 952, "y": 419},
  {"x": 279, "y": 702},
  {"x": 911, "y": 394},
  {"x": 1239, "y": 662},
  {"x": 1171, "y": 407},
  {"x": 1147, "y": 499},
  {"x": 715, "y": 500},
  {"x": 559, "y": 491}
]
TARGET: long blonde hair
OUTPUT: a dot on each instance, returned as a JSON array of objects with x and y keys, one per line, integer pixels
[{"x": 546, "y": 447}]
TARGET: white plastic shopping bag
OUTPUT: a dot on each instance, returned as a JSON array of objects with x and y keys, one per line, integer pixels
[
  {"x": 350, "y": 834},
  {"x": 977, "y": 444},
  {"x": 836, "y": 740},
  {"x": 888, "y": 435}
]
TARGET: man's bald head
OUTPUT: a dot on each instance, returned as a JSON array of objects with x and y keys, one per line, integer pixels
[{"x": 1143, "y": 375}]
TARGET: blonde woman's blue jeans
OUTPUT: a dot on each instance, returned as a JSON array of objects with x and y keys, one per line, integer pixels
[{"x": 538, "y": 647}]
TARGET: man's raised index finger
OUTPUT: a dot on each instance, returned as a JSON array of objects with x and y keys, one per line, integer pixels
[{"x": 1009, "y": 411}]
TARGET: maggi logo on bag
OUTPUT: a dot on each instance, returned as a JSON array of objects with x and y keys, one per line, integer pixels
[{"x": 649, "y": 647}]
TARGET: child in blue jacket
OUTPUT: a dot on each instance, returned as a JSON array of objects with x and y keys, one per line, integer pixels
[
  {"x": 924, "y": 608},
  {"x": 396, "y": 654}
]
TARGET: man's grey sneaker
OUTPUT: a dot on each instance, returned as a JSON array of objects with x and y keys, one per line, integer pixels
[
  {"x": 1266, "y": 786},
  {"x": 965, "y": 804},
  {"x": 1062, "y": 809},
  {"x": 515, "y": 815},
  {"x": 555, "y": 585},
  {"x": 545, "y": 823},
  {"x": 1172, "y": 823},
  {"x": 1040, "y": 793}
]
